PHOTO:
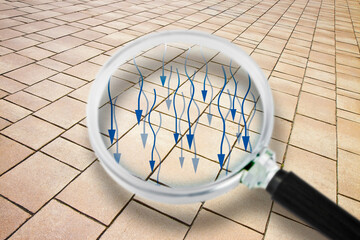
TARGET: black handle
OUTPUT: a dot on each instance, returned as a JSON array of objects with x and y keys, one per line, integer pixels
[{"x": 306, "y": 202}]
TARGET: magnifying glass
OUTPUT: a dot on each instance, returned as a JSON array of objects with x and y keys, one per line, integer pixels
[{"x": 184, "y": 116}]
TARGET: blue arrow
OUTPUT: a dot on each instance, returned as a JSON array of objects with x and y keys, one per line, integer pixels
[
  {"x": 152, "y": 162},
  {"x": 221, "y": 156},
  {"x": 138, "y": 112},
  {"x": 117, "y": 155},
  {"x": 111, "y": 130},
  {"x": 168, "y": 100},
  {"x": 195, "y": 159},
  {"x": 226, "y": 138},
  {"x": 238, "y": 134},
  {"x": 189, "y": 136},
  {"x": 176, "y": 134},
  {"x": 181, "y": 158},
  {"x": 233, "y": 110},
  {"x": 252, "y": 117},
  {"x": 204, "y": 91},
  {"x": 246, "y": 137},
  {"x": 144, "y": 135},
  {"x": 157, "y": 152},
  {"x": 163, "y": 77},
  {"x": 209, "y": 115}
]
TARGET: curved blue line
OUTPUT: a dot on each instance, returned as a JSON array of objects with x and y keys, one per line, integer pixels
[
  {"x": 191, "y": 99},
  {"x": 232, "y": 75},
  {"x": 197, "y": 121},
  {"x": 142, "y": 83},
  {"x": 116, "y": 126},
  {"x": 241, "y": 113},
  {"x": 206, "y": 71},
  {"x": 111, "y": 104},
  {"x": 227, "y": 114},
  {"x": 147, "y": 107},
  {"x": 212, "y": 94},
  {"x": 182, "y": 113},
  {"x": 152, "y": 151},
  {"x": 242, "y": 105},
  {"x": 174, "y": 99},
  {"x": 218, "y": 103},
  {"x": 157, "y": 152}
]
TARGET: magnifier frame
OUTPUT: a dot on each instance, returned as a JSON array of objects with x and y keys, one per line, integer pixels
[{"x": 157, "y": 192}]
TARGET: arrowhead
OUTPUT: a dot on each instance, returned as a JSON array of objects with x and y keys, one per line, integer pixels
[
  {"x": 144, "y": 138},
  {"x": 152, "y": 164},
  {"x": 233, "y": 112},
  {"x": 176, "y": 136},
  {"x": 168, "y": 103},
  {"x": 117, "y": 157},
  {"x": 209, "y": 116},
  {"x": 181, "y": 161},
  {"x": 138, "y": 115},
  {"x": 111, "y": 134},
  {"x": 190, "y": 138},
  {"x": 238, "y": 136},
  {"x": 246, "y": 141},
  {"x": 163, "y": 79},
  {"x": 221, "y": 159},
  {"x": 204, "y": 92},
  {"x": 195, "y": 163}
]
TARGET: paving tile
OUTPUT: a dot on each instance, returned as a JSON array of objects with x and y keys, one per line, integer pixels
[
  {"x": 57, "y": 221},
  {"x": 320, "y": 75},
  {"x": 348, "y": 104},
  {"x": 82, "y": 93},
  {"x": 348, "y": 179},
  {"x": 284, "y": 86},
  {"x": 11, "y": 153},
  {"x": 206, "y": 226},
  {"x": 67, "y": 80},
  {"x": 18, "y": 43},
  {"x": 77, "y": 55},
  {"x": 64, "y": 112},
  {"x": 11, "y": 217},
  {"x": 315, "y": 136},
  {"x": 281, "y": 228},
  {"x": 12, "y": 61},
  {"x": 318, "y": 90},
  {"x": 285, "y": 105},
  {"x": 78, "y": 134},
  {"x": 10, "y": 85},
  {"x": 11, "y": 111},
  {"x": 350, "y": 205},
  {"x": 52, "y": 64},
  {"x": 4, "y": 123},
  {"x": 27, "y": 100},
  {"x": 96, "y": 194},
  {"x": 38, "y": 132},
  {"x": 41, "y": 178},
  {"x": 69, "y": 153},
  {"x": 9, "y": 33},
  {"x": 36, "y": 53},
  {"x": 62, "y": 44},
  {"x": 85, "y": 70},
  {"x": 59, "y": 31},
  {"x": 48, "y": 90},
  {"x": 290, "y": 69},
  {"x": 348, "y": 135},
  {"x": 317, "y": 107},
  {"x": 248, "y": 207},
  {"x": 137, "y": 221},
  {"x": 31, "y": 74}
]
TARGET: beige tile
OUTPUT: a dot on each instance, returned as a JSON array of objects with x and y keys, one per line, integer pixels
[
  {"x": 348, "y": 170},
  {"x": 248, "y": 207},
  {"x": 18, "y": 43},
  {"x": 77, "y": 55},
  {"x": 285, "y": 86},
  {"x": 59, "y": 31},
  {"x": 320, "y": 75},
  {"x": 78, "y": 134},
  {"x": 348, "y": 135},
  {"x": 31, "y": 74},
  {"x": 65, "y": 112},
  {"x": 82, "y": 93},
  {"x": 138, "y": 221},
  {"x": 318, "y": 90},
  {"x": 57, "y": 221},
  {"x": 52, "y": 64},
  {"x": 285, "y": 105},
  {"x": 69, "y": 153},
  {"x": 85, "y": 70},
  {"x": 317, "y": 107},
  {"x": 96, "y": 194},
  {"x": 281, "y": 129},
  {"x": 32, "y": 132},
  {"x": 10, "y": 85},
  {"x": 315, "y": 136},
  {"x": 281, "y": 228},
  {"x": 350, "y": 205},
  {"x": 36, "y": 53},
  {"x": 67, "y": 80},
  {"x": 206, "y": 226},
  {"x": 11, "y": 111},
  {"x": 11, "y": 153},
  {"x": 11, "y": 217},
  {"x": 12, "y": 61},
  {"x": 290, "y": 69},
  {"x": 4, "y": 123},
  {"x": 62, "y": 44},
  {"x": 41, "y": 178},
  {"x": 48, "y": 90},
  {"x": 27, "y": 100},
  {"x": 348, "y": 104}
]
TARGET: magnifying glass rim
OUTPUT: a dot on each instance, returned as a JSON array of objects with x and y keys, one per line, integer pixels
[{"x": 148, "y": 189}]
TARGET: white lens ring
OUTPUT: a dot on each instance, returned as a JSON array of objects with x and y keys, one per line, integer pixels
[{"x": 158, "y": 192}]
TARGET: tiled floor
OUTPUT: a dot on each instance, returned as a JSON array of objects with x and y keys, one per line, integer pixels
[{"x": 52, "y": 185}]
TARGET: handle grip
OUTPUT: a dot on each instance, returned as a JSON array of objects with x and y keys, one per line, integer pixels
[{"x": 306, "y": 202}]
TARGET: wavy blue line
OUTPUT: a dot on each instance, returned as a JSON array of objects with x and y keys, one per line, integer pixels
[
  {"x": 116, "y": 126},
  {"x": 192, "y": 95},
  {"x": 241, "y": 113},
  {"x": 177, "y": 71},
  {"x": 212, "y": 94},
  {"x": 147, "y": 107},
  {"x": 242, "y": 105},
  {"x": 157, "y": 152},
  {"x": 182, "y": 113},
  {"x": 232, "y": 75},
  {"x": 206, "y": 71},
  {"x": 111, "y": 104},
  {"x": 142, "y": 82},
  {"x": 152, "y": 151},
  {"x": 196, "y": 123},
  {"x": 218, "y": 103}
]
